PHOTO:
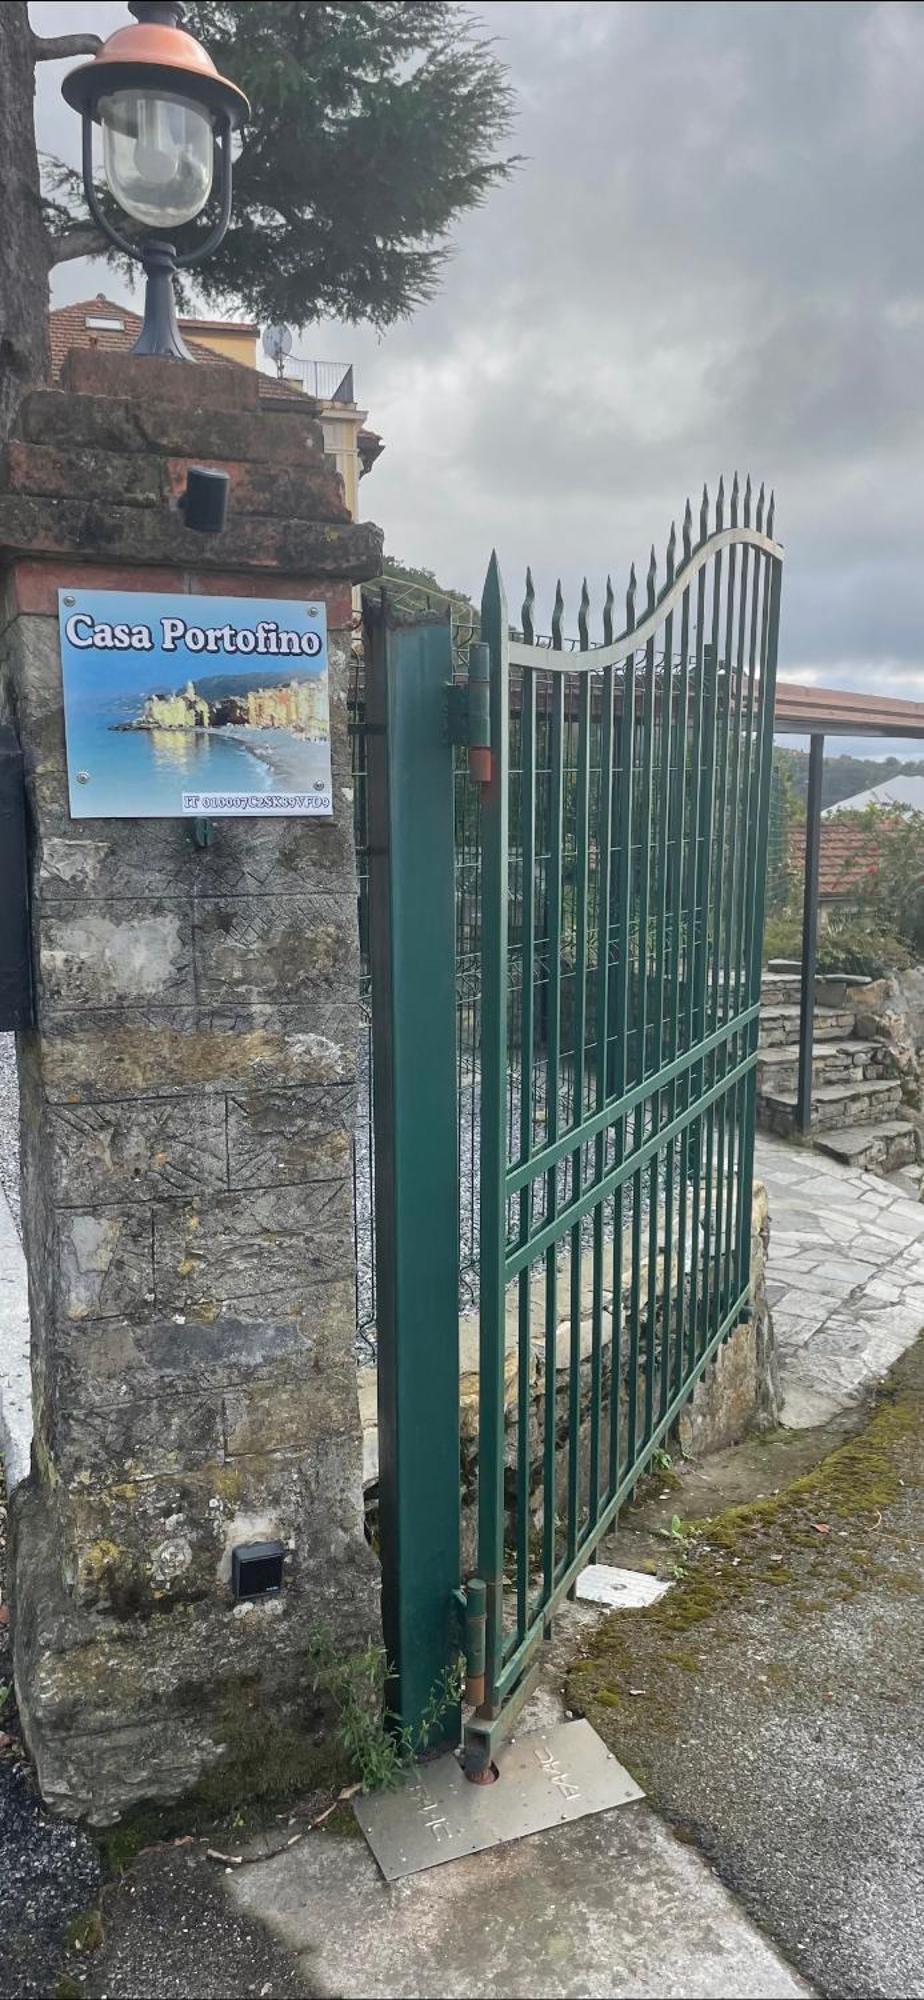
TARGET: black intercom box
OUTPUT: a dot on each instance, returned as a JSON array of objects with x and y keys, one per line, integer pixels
[{"x": 16, "y": 1007}]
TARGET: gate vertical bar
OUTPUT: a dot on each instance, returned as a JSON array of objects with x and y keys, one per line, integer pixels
[
  {"x": 494, "y": 931},
  {"x": 810, "y": 934},
  {"x": 412, "y": 902},
  {"x": 769, "y": 650}
]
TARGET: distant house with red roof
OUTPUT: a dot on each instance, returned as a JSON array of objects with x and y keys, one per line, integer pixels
[
  {"x": 328, "y": 386},
  {"x": 848, "y": 857}
]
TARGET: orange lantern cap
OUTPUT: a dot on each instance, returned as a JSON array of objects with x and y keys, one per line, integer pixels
[{"x": 152, "y": 56}]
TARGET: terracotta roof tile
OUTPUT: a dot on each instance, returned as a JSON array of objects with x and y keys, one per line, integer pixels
[{"x": 848, "y": 855}]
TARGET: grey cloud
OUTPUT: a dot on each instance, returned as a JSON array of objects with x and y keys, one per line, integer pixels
[{"x": 711, "y": 257}]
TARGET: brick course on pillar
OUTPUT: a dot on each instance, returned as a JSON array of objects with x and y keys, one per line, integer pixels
[{"x": 187, "y": 1107}]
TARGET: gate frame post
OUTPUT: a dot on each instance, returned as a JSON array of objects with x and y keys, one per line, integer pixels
[
  {"x": 412, "y": 913},
  {"x": 493, "y": 1158},
  {"x": 810, "y": 935}
]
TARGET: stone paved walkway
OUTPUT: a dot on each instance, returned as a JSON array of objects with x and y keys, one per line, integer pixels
[{"x": 845, "y": 1278}]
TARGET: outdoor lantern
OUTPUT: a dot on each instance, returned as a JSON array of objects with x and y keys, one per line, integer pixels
[{"x": 165, "y": 113}]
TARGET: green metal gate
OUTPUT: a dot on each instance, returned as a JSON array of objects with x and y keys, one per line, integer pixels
[{"x": 622, "y": 867}]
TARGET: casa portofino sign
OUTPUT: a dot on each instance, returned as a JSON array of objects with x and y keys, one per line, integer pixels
[
  {"x": 83, "y": 631},
  {"x": 195, "y": 706}
]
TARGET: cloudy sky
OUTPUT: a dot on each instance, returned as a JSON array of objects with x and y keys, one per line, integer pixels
[{"x": 713, "y": 256}]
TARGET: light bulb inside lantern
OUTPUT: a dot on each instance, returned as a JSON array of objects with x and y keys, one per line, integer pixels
[
  {"x": 158, "y": 154},
  {"x": 155, "y": 154}
]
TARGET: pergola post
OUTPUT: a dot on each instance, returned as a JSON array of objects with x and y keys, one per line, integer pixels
[{"x": 810, "y": 935}]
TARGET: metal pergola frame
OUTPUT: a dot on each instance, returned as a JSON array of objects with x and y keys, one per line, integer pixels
[{"x": 819, "y": 713}]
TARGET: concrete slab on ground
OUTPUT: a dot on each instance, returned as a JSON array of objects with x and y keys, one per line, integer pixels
[
  {"x": 845, "y": 1278},
  {"x": 608, "y": 1906}
]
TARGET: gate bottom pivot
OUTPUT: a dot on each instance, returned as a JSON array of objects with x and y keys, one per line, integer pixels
[
  {"x": 476, "y": 1750},
  {"x": 486, "y": 1729},
  {"x": 477, "y": 1762}
]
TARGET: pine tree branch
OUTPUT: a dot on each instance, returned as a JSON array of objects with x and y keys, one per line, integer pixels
[
  {"x": 50, "y": 48},
  {"x": 83, "y": 240}
]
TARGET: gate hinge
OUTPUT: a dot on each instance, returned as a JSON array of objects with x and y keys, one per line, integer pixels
[
  {"x": 468, "y": 713},
  {"x": 472, "y": 1606}
]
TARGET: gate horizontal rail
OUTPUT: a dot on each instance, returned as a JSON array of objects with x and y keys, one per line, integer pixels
[{"x": 520, "y": 1176}]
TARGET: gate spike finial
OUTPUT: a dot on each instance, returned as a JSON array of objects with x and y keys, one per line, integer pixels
[
  {"x": 747, "y": 501},
  {"x": 583, "y": 609},
  {"x": 493, "y": 597},
  {"x": 759, "y": 522},
  {"x": 608, "y": 603},
  {"x": 557, "y": 616},
  {"x": 687, "y": 532},
  {"x": 671, "y": 563},
  {"x": 630, "y": 600},
  {"x": 770, "y": 513},
  {"x": 720, "y": 505},
  {"x": 652, "y": 578},
  {"x": 529, "y": 630},
  {"x": 704, "y": 514},
  {"x": 734, "y": 502}
]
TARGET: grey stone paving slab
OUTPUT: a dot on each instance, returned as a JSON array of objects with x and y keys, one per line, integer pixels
[
  {"x": 611, "y": 1906},
  {"x": 841, "y": 1319},
  {"x": 802, "y": 1305}
]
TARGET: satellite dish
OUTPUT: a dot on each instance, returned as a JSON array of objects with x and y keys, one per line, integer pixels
[{"x": 277, "y": 343}]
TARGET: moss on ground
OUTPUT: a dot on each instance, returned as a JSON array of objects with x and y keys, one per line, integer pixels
[
  {"x": 87, "y": 1931},
  {"x": 817, "y": 1539},
  {"x": 343, "y": 1823},
  {"x": 268, "y": 1763}
]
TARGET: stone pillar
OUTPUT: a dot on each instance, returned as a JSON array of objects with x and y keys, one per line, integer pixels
[{"x": 187, "y": 1104}]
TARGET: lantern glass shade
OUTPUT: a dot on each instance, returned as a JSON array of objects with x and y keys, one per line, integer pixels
[{"x": 158, "y": 155}]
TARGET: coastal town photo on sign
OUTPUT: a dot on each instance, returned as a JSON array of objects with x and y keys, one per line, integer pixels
[{"x": 178, "y": 706}]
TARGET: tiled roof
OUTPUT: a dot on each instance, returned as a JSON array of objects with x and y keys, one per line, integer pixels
[
  {"x": 68, "y": 328},
  {"x": 848, "y": 855}
]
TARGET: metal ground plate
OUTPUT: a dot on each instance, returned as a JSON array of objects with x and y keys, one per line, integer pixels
[{"x": 546, "y": 1777}]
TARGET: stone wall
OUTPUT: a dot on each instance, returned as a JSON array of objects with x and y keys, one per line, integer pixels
[
  {"x": 893, "y": 1009},
  {"x": 187, "y": 1107},
  {"x": 738, "y": 1394}
]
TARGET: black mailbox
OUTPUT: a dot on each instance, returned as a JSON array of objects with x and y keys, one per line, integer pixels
[{"x": 16, "y": 1007}]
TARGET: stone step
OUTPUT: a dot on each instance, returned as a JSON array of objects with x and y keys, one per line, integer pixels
[
  {"x": 791, "y": 968},
  {"x": 781, "y": 989},
  {"x": 835, "y": 1107},
  {"x": 840, "y": 1062},
  {"x": 794, "y": 965},
  {"x": 882, "y": 1149},
  {"x": 779, "y": 1026}
]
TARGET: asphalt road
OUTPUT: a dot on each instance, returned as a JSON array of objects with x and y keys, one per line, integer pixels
[{"x": 776, "y": 1717}]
